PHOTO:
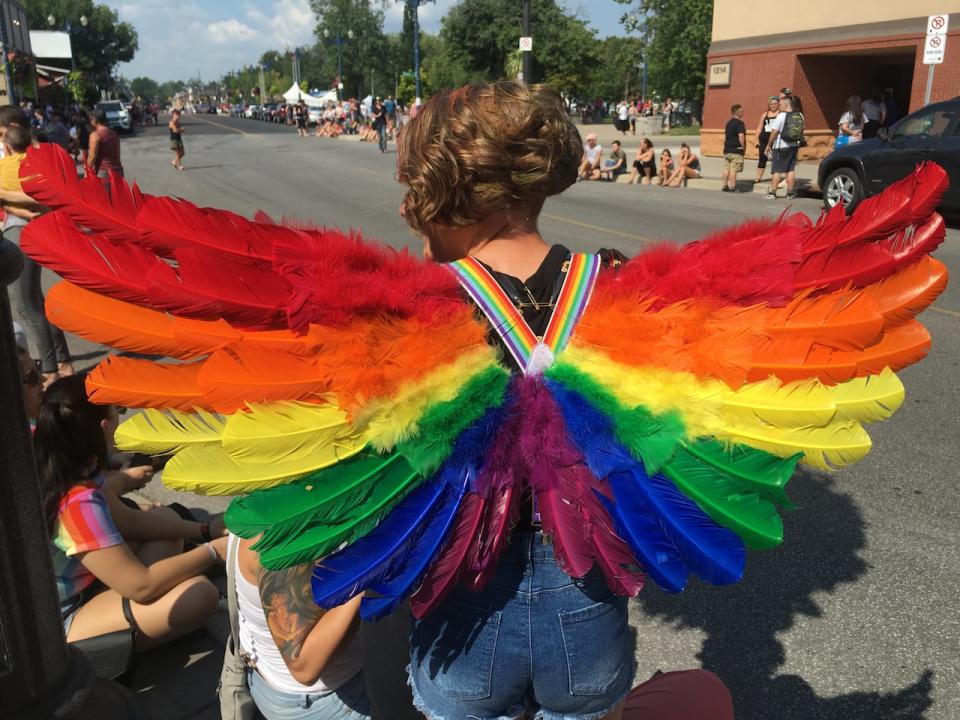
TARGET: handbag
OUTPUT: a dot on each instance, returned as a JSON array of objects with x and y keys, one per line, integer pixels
[
  {"x": 233, "y": 691},
  {"x": 841, "y": 141}
]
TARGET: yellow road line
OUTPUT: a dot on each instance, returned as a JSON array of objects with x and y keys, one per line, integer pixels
[
  {"x": 598, "y": 228},
  {"x": 219, "y": 124},
  {"x": 954, "y": 313}
]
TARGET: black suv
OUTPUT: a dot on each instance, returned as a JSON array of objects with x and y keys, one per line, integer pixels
[{"x": 861, "y": 169}]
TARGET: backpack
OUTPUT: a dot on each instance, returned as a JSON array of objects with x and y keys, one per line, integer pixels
[{"x": 793, "y": 127}]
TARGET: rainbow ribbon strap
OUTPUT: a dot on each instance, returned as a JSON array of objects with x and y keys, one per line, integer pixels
[{"x": 506, "y": 319}]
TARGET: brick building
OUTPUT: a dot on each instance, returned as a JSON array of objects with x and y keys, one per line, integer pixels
[{"x": 813, "y": 48}]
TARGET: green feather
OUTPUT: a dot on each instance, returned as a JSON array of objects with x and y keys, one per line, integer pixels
[
  {"x": 745, "y": 512},
  {"x": 293, "y": 505},
  {"x": 759, "y": 470},
  {"x": 342, "y": 520},
  {"x": 441, "y": 424},
  {"x": 651, "y": 438}
]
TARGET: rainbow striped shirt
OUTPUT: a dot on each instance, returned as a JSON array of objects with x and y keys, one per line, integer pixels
[{"x": 83, "y": 524}]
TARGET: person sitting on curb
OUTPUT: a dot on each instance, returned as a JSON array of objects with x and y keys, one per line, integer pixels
[
  {"x": 645, "y": 164},
  {"x": 688, "y": 167},
  {"x": 616, "y": 164},
  {"x": 592, "y": 153},
  {"x": 666, "y": 167},
  {"x": 104, "y": 583}
]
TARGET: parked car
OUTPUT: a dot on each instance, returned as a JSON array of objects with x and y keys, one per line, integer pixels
[
  {"x": 861, "y": 169},
  {"x": 314, "y": 115},
  {"x": 252, "y": 111},
  {"x": 118, "y": 116},
  {"x": 267, "y": 110}
]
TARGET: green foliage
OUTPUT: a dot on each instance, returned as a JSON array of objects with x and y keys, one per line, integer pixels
[
  {"x": 364, "y": 54},
  {"x": 480, "y": 37},
  {"x": 168, "y": 89},
  {"x": 77, "y": 86},
  {"x": 677, "y": 36},
  {"x": 145, "y": 88},
  {"x": 98, "y": 46},
  {"x": 616, "y": 76}
]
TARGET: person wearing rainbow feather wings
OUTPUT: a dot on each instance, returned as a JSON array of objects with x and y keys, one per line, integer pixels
[{"x": 350, "y": 397}]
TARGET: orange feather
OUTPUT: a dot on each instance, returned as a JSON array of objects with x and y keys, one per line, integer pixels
[
  {"x": 909, "y": 291},
  {"x": 144, "y": 384}
]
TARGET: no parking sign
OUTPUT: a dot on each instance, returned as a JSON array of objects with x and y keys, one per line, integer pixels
[{"x": 936, "y": 42}]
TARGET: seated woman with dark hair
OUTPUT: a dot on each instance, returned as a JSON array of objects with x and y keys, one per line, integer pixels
[{"x": 106, "y": 584}]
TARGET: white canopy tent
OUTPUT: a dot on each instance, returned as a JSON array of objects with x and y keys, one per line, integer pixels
[{"x": 294, "y": 95}]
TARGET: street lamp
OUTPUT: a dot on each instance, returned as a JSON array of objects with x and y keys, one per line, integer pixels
[
  {"x": 339, "y": 41},
  {"x": 415, "y": 6}
]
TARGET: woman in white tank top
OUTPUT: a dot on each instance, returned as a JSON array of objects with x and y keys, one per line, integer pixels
[{"x": 307, "y": 661}]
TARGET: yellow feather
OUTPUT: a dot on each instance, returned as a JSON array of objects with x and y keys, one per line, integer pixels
[
  {"x": 837, "y": 445},
  {"x": 709, "y": 408},
  {"x": 290, "y": 432},
  {"x": 869, "y": 399},
  {"x": 390, "y": 420},
  {"x": 161, "y": 432},
  {"x": 212, "y": 471},
  {"x": 803, "y": 403}
]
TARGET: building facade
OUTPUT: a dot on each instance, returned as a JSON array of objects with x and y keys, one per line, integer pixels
[{"x": 814, "y": 48}]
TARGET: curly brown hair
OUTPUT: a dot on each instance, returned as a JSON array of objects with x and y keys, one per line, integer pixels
[{"x": 481, "y": 149}]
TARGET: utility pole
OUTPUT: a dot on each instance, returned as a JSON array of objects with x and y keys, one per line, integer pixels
[
  {"x": 527, "y": 60},
  {"x": 415, "y": 5},
  {"x": 11, "y": 98}
]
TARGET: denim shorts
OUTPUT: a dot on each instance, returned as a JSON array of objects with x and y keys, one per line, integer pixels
[
  {"x": 347, "y": 702},
  {"x": 533, "y": 641}
]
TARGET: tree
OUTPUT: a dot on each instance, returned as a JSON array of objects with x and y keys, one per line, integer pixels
[
  {"x": 616, "y": 75},
  {"x": 167, "y": 90},
  {"x": 99, "y": 45},
  {"x": 480, "y": 35},
  {"x": 365, "y": 52},
  {"x": 145, "y": 88},
  {"x": 677, "y": 36}
]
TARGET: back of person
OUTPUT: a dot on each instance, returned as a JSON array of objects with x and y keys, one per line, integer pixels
[
  {"x": 256, "y": 641},
  {"x": 108, "y": 157}
]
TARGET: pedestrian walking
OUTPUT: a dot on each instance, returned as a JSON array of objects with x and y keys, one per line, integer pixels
[
  {"x": 176, "y": 139},
  {"x": 103, "y": 153},
  {"x": 763, "y": 134},
  {"x": 301, "y": 113},
  {"x": 379, "y": 114}
]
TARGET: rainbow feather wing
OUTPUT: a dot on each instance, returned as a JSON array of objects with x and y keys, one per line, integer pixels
[{"x": 375, "y": 431}]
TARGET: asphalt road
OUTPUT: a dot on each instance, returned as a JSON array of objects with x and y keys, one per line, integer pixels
[{"x": 856, "y": 616}]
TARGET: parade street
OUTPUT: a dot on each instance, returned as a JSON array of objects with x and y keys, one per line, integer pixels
[{"x": 856, "y": 616}]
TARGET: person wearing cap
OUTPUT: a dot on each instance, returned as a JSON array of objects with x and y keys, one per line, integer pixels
[{"x": 592, "y": 153}]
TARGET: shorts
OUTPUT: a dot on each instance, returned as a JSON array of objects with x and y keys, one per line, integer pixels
[
  {"x": 761, "y": 147},
  {"x": 347, "y": 702},
  {"x": 177, "y": 146},
  {"x": 534, "y": 641},
  {"x": 301, "y": 124},
  {"x": 733, "y": 161},
  {"x": 784, "y": 160}
]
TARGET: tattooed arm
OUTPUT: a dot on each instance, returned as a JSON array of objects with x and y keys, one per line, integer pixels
[{"x": 306, "y": 635}]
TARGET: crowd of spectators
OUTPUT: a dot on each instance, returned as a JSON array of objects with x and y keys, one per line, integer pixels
[{"x": 672, "y": 172}]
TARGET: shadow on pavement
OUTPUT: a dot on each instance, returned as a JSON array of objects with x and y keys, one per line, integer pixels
[{"x": 742, "y": 623}]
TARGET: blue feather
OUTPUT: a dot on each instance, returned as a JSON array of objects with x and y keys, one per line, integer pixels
[
  {"x": 637, "y": 525},
  {"x": 591, "y": 431},
  {"x": 387, "y": 551},
  {"x": 714, "y": 553},
  {"x": 350, "y": 571},
  {"x": 421, "y": 554}
]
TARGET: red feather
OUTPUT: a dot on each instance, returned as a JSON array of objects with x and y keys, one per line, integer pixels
[
  {"x": 169, "y": 224},
  {"x": 210, "y": 287},
  {"x": 49, "y": 176},
  {"x": 337, "y": 277},
  {"x": 925, "y": 187},
  {"x": 446, "y": 570},
  {"x": 743, "y": 265},
  {"x": 492, "y": 535},
  {"x": 114, "y": 269}
]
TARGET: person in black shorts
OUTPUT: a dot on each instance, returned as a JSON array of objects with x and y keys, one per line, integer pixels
[
  {"x": 301, "y": 115},
  {"x": 176, "y": 139}
]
